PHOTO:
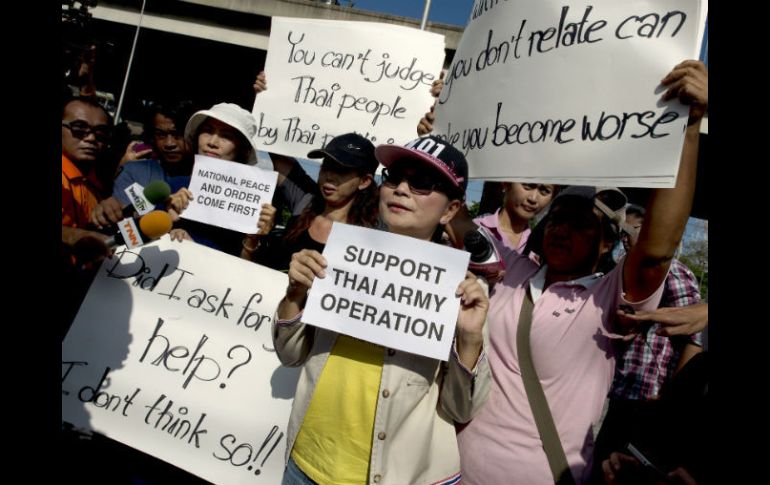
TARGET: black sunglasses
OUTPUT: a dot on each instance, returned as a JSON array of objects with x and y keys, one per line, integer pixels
[
  {"x": 81, "y": 129},
  {"x": 420, "y": 183}
]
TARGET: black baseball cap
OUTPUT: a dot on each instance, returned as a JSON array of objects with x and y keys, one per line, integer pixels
[
  {"x": 431, "y": 150},
  {"x": 349, "y": 150}
]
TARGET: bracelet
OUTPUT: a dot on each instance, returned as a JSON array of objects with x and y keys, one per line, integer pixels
[{"x": 247, "y": 248}]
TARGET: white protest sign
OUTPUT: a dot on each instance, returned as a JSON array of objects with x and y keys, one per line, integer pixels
[
  {"x": 569, "y": 92},
  {"x": 228, "y": 194},
  {"x": 171, "y": 353},
  {"x": 328, "y": 77},
  {"x": 391, "y": 290}
]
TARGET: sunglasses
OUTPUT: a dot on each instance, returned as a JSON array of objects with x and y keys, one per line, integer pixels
[
  {"x": 81, "y": 129},
  {"x": 420, "y": 183}
]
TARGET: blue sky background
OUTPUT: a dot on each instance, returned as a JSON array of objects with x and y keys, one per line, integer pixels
[{"x": 453, "y": 12}]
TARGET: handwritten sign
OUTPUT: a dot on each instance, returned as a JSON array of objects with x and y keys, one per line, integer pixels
[
  {"x": 391, "y": 290},
  {"x": 567, "y": 92},
  {"x": 229, "y": 195},
  {"x": 171, "y": 353},
  {"x": 326, "y": 78}
]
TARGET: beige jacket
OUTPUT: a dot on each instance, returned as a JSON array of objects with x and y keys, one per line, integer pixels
[{"x": 419, "y": 398}]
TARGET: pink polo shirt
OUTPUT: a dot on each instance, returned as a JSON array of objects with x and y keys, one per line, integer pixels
[
  {"x": 491, "y": 223},
  {"x": 573, "y": 354}
]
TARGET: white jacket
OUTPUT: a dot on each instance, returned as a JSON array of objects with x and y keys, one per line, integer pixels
[{"x": 414, "y": 438}]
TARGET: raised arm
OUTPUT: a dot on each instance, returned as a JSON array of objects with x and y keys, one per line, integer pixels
[{"x": 668, "y": 209}]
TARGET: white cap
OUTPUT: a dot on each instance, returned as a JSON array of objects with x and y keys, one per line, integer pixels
[{"x": 238, "y": 118}]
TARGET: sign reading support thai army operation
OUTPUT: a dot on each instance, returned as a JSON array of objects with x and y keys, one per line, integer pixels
[{"x": 388, "y": 289}]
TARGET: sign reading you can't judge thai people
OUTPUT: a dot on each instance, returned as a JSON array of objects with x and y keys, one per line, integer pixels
[
  {"x": 228, "y": 194},
  {"x": 328, "y": 77},
  {"x": 388, "y": 289}
]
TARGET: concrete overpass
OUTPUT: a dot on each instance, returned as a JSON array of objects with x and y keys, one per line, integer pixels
[{"x": 211, "y": 22}]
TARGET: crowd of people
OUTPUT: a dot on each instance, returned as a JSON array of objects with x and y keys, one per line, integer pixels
[{"x": 558, "y": 363}]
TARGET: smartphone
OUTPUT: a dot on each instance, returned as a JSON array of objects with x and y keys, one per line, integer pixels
[
  {"x": 140, "y": 147},
  {"x": 647, "y": 464}
]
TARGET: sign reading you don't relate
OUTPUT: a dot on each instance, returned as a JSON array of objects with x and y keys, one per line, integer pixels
[
  {"x": 569, "y": 92},
  {"x": 228, "y": 194},
  {"x": 391, "y": 290},
  {"x": 326, "y": 78},
  {"x": 171, "y": 354}
]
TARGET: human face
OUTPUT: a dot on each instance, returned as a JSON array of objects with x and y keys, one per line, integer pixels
[
  {"x": 413, "y": 214},
  {"x": 168, "y": 140},
  {"x": 219, "y": 140},
  {"x": 635, "y": 222},
  {"x": 90, "y": 146},
  {"x": 340, "y": 184},
  {"x": 572, "y": 241},
  {"x": 525, "y": 201}
]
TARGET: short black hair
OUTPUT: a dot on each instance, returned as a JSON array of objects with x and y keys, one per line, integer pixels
[
  {"x": 179, "y": 111},
  {"x": 89, "y": 100},
  {"x": 635, "y": 210}
]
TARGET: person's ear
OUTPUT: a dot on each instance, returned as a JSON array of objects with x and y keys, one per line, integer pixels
[
  {"x": 449, "y": 212},
  {"x": 366, "y": 181},
  {"x": 605, "y": 245}
]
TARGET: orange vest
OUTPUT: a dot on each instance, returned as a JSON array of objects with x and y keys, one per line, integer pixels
[{"x": 79, "y": 195}]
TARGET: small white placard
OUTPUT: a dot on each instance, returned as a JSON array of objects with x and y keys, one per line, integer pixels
[
  {"x": 228, "y": 194},
  {"x": 388, "y": 289}
]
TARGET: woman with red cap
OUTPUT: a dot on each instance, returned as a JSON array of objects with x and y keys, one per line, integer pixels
[{"x": 366, "y": 414}]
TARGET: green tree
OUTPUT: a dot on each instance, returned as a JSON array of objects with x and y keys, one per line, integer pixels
[
  {"x": 473, "y": 209},
  {"x": 695, "y": 255}
]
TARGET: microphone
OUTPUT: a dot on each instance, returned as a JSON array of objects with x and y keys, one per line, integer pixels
[
  {"x": 157, "y": 191},
  {"x": 485, "y": 260},
  {"x": 144, "y": 200},
  {"x": 151, "y": 226}
]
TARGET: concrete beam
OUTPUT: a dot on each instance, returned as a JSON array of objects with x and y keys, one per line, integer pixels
[{"x": 183, "y": 26}]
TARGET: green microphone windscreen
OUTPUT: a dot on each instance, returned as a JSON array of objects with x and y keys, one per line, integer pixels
[{"x": 157, "y": 191}]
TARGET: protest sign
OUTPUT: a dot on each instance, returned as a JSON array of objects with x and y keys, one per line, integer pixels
[
  {"x": 171, "y": 354},
  {"x": 228, "y": 194},
  {"x": 327, "y": 77},
  {"x": 567, "y": 92},
  {"x": 388, "y": 289}
]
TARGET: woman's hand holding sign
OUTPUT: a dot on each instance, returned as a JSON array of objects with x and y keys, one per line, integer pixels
[
  {"x": 305, "y": 266},
  {"x": 474, "y": 304}
]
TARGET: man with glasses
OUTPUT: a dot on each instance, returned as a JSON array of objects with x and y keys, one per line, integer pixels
[{"x": 86, "y": 129}]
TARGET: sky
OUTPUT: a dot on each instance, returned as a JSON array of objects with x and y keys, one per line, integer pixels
[{"x": 453, "y": 12}]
